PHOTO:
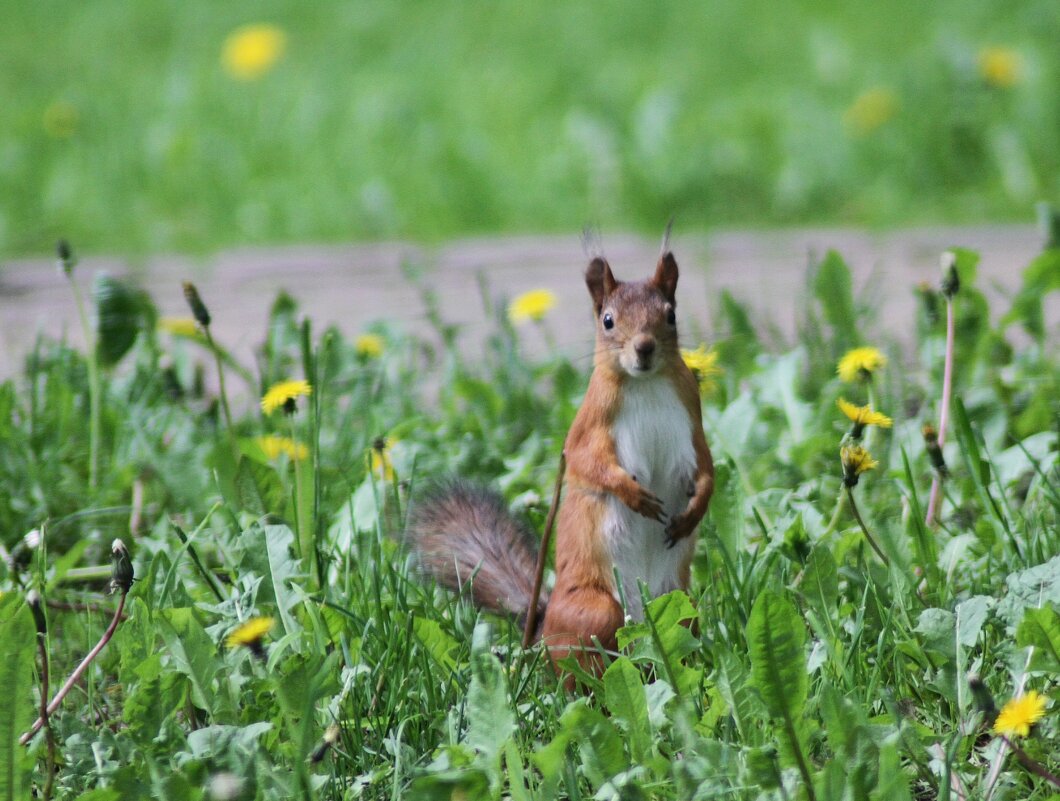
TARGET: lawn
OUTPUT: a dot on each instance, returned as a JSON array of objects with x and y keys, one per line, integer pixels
[
  {"x": 123, "y": 129},
  {"x": 844, "y": 649}
]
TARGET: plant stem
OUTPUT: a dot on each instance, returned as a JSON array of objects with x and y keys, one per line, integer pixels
[
  {"x": 864, "y": 529},
  {"x": 78, "y": 672},
  {"x": 94, "y": 389},
  {"x": 49, "y": 734},
  {"x": 944, "y": 413},
  {"x": 220, "y": 380},
  {"x": 836, "y": 514},
  {"x": 1031, "y": 764}
]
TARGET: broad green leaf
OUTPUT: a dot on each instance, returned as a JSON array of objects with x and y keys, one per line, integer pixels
[
  {"x": 1041, "y": 629},
  {"x": 726, "y": 511},
  {"x": 283, "y": 567},
  {"x": 194, "y": 655},
  {"x": 970, "y": 616},
  {"x": 1041, "y": 277},
  {"x": 258, "y": 487},
  {"x": 17, "y": 645},
  {"x": 625, "y": 699},
  {"x": 936, "y": 627},
  {"x": 665, "y": 640},
  {"x": 121, "y": 311},
  {"x": 1029, "y": 589},
  {"x": 776, "y": 640},
  {"x": 820, "y": 581},
  {"x": 490, "y": 720},
  {"x": 215, "y": 741},
  {"x": 832, "y": 286},
  {"x": 439, "y": 644}
]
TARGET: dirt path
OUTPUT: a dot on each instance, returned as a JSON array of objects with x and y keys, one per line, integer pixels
[{"x": 352, "y": 286}]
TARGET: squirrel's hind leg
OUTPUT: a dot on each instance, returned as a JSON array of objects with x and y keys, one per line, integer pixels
[{"x": 575, "y": 621}]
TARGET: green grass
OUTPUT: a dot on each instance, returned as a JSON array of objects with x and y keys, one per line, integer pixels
[
  {"x": 431, "y": 120},
  {"x": 814, "y": 665}
]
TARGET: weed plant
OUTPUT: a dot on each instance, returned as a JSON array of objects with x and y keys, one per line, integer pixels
[{"x": 276, "y": 642}]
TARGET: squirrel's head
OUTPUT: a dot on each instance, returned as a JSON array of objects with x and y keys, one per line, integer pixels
[{"x": 636, "y": 323}]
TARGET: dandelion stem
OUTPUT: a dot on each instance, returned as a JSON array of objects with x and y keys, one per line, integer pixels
[
  {"x": 220, "y": 379},
  {"x": 304, "y": 532},
  {"x": 836, "y": 514},
  {"x": 944, "y": 413},
  {"x": 78, "y": 671},
  {"x": 94, "y": 388},
  {"x": 864, "y": 529},
  {"x": 1031, "y": 764}
]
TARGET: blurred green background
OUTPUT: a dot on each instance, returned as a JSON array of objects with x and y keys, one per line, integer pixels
[{"x": 124, "y": 127}]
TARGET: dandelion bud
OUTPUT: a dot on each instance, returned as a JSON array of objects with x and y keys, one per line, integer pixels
[
  {"x": 934, "y": 450},
  {"x": 984, "y": 699},
  {"x": 121, "y": 577},
  {"x": 34, "y": 602},
  {"x": 950, "y": 280},
  {"x": 331, "y": 736},
  {"x": 66, "y": 258},
  {"x": 198, "y": 308}
]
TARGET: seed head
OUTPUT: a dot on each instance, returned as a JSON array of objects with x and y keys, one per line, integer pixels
[
  {"x": 66, "y": 258},
  {"x": 951, "y": 282},
  {"x": 121, "y": 577},
  {"x": 198, "y": 308}
]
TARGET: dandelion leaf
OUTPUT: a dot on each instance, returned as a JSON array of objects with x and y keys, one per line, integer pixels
[
  {"x": 832, "y": 287},
  {"x": 121, "y": 312},
  {"x": 776, "y": 640},
  {"x": 258, "y": 488},
  {"x": 1028, "y": 589},
  {"x": 17, "y": 636},
  {"x": 1040, "y": 628},
  {"x": 626, "y": 700},
  {"x": 490, "y": 719}
]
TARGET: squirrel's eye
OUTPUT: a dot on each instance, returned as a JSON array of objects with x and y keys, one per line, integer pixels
[
  {"x": 609, "y": 321},
  {"x": 671, "y": 317}
]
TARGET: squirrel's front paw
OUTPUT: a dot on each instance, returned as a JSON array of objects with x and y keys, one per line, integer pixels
[
  {"x": 647, "y": 503},
  {"x": 679, "y": 527}
]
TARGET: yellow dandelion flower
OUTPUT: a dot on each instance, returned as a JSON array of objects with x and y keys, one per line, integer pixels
[
  {"x": 1019, "y": 714},
  {"x": 1000, "y": 66},
  {"x": 179, "y": 326},
  {"x": 60, "y": 120},
  {"x": 283, "y": 395},
  {"x": 252, "y": 50},
  {"x": 250, "y": 634},
  {"x": 704, "y": 365},
  {"x": 862, "y": 416},
  {"x": 378, "y": 459},
  {"x": 531, "y": 306},
  {"x": 871, "y": 110},
  {"x": 274, "y": 445},
  {"x": 860, "y": 363},
  {"x": 856, "y": 460},
  {"x": 369, "y": 346}
]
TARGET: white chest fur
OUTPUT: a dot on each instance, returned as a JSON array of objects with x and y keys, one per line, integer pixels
[{"x": 653, "y": 442}]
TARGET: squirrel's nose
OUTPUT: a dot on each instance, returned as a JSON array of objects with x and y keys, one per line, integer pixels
[{"x": 644, "y": 345}]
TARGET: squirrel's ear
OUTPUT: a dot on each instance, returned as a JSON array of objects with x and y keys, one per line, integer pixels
[
  {"x": 600, "y": 281},
  {"x": 665, "y": 278}
]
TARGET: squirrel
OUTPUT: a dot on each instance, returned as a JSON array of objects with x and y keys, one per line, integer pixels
[{"x": 638, "y": 481}]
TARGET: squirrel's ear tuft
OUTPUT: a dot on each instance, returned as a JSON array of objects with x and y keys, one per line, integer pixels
[
  {"x": 601, "y": 282},
  {"x": 665, "y": 278}
]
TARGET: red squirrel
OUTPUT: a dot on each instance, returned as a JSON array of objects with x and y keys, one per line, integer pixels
[{"x": 638, "y": 481}]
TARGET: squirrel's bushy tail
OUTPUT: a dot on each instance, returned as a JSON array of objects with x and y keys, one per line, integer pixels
[{"x": 463, "y": 534}]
